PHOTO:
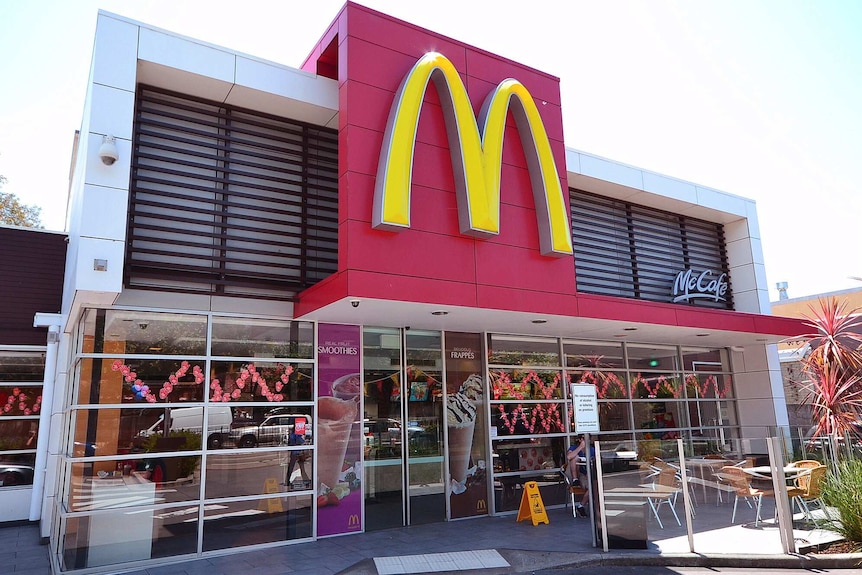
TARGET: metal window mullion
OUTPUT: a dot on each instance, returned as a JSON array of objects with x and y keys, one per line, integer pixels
[
  {"x": 221, "y": 222},
  {"x": 633, "y": 258}
]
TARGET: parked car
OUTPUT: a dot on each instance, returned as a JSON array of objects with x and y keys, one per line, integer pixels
[
  {"x": 273, "y": 430},
  {"x": 15, "y": 474}
]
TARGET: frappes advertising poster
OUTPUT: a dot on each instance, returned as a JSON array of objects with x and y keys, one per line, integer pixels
[
  {"x": 466, "y": 426},
  {"x": 339, "y": 428}
]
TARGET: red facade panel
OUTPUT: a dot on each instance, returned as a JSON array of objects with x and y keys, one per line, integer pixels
[{"x": 432, "y": 261}]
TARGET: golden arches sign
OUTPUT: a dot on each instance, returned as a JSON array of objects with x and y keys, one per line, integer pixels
[{"x": 476, "y": 159}]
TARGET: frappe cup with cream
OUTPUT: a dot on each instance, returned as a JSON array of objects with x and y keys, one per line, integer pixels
[
  {"x": 461, "y": 422},
  {"x": 334, "y": 421}
]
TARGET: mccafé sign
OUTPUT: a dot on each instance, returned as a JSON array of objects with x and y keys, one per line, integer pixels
[
  {"x": 476, "y": 150},
  {"x": 706, "y": 285}
]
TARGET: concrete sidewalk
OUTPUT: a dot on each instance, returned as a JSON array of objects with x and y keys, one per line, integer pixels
[{"x": 526, "y": 548}]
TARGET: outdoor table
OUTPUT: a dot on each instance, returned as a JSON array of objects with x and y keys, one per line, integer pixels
[
  {"x": 650, "y": 494},
  {"x": 765, "y": 472},
  {"x": 702, "y": 465}
]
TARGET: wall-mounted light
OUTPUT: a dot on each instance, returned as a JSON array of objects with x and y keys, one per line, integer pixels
[{"x": 108, "y": 151}]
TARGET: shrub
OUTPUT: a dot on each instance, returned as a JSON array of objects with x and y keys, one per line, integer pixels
[{"x": 842, "y": 491}]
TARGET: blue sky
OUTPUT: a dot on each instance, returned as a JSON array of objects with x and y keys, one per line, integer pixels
[{"x": 757, "y": 98}]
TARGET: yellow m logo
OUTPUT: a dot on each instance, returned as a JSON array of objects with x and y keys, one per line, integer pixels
[{"x": 476, "y": 159}]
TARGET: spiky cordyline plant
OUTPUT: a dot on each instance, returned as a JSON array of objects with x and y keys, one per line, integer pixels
[{"x": 833, "y": 369}]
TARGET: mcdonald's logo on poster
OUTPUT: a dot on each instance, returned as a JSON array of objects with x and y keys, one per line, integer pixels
[
  {"x": 353, "y": 521},
  {"x": 481, "y": 506},
  {"x": 476, "y": 156}
]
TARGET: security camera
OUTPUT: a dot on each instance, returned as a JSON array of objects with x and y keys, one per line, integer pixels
[
  {"x": 108, "y": 152},
  {"x": 354, "y": 302},
  {"x": 143, "y": 325},
  {"x": 406, "y": 328}
]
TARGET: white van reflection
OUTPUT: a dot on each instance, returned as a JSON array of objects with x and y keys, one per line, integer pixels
[{"x": 191, "y": 419}]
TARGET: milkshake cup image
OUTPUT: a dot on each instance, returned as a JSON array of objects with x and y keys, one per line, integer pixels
[
  {"x": 347, "y": 386},
  {"x": 461, "y": 422},
  {"x": 334, "y": 421}
]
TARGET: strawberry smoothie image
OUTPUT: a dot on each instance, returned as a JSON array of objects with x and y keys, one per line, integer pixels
[
  {"x": 461, "y": 422},
  {"x": 347, "y": 386}
]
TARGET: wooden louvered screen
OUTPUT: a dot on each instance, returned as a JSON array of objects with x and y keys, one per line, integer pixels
[
  {"x": 622, "y": 249},
  {"x": 229, "y": 201}
]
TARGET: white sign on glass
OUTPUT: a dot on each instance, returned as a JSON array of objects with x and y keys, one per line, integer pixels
[{"x": 586, "y": 408}]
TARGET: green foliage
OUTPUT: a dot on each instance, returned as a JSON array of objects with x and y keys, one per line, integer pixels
[
  {"x": 842, "y": 491},
  {"x": 15, "y": 213},
  {"x": 832, "y": 370},
  {"x": 186, "y": 465}
]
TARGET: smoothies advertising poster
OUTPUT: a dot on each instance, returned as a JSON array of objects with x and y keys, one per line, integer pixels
[
  {"x": 466, "y": 426},
  {"x": 339, "y": 488}
]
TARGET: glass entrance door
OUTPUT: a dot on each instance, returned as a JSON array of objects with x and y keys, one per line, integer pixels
[
  {"x": 383, "y": 479},
  {"x": 424, "y": 427},
  {"x": 403, "y": 428}
]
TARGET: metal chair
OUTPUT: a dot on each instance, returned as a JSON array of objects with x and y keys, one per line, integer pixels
[{"x": 574, "y": 488}]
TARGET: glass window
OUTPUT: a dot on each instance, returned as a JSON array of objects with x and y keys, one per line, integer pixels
[
  {"x": 694, "y": 359},
  {"x": 708, "y": 385},
  {"x": 609, "y": 384},
  {"x": 272, "y": 382},
  {"x": 21, "y": 376},
  {"x": 145, "y": 480},
  {"x": 256, "y": 521},
  {"x": 128, "y": 535},
  {"x": 663, "y": 419},
  {"x": 648, "y": 385},
  {"x": 100, "y": 432},
  {"x": 261, "y": 426},
  {"x": 652, "y": 357},
  {"x": 135, "y": 332},
  {"x": 242, "y": 337},
  {"x": 526, "y": 384},
  {"x": 145, "y": 381},
  {"x": 593, "y": 354},
  {"x": 259, "y": 473},
  {"x": 17, "y": 366},
  {"x": 528, "y": 418},
  {"x": 523, "y": 350}
]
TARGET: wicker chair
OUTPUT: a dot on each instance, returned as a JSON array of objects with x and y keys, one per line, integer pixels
[
  {"x": 741, "y": 484},
  {"x": 807, "y": 490}
]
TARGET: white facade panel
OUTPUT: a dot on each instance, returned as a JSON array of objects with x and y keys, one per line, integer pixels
[
  {"x": 116, "y": 46},
  {"x": 112, "y": 112},
  {"x": 721, "y": 201},
  {"x": 669, "y": 187},
  {"x": 186, "y": 55},
  {"x": 104, "y": 213},
  {"x": 611, "y": 171}
]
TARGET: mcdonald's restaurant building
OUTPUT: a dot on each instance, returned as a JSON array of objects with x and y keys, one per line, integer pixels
[{"x": 307, "y": 302}]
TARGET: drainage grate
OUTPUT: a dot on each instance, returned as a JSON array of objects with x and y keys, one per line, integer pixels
[{"x": 429, "y": 563}]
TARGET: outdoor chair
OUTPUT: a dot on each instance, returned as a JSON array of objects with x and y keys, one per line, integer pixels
[
  {"x": 741, "y": 484},
  {"x": 808, "y": 489},
  {"x": 805, "y": 464},
  {"x": 574, "y": 489}
]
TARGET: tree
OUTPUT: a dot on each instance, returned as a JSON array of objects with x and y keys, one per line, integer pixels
[
  {"x": 15, "y": 213},
  {"x": 833, "y": 370}
]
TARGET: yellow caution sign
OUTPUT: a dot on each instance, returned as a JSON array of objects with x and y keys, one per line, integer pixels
[
  {"x": 273, "y": 504},
  {"x": 532, "y": 506}
]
